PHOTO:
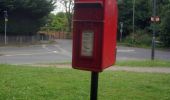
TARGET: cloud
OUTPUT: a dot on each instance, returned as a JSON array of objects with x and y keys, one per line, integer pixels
[{"x": 59, "y": 8}]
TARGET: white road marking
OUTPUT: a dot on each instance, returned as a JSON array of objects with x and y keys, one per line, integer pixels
[
  {"x": 27, "y": 54},
  {"x": 63, "y": 51},
  {"x": 45, "y": 47},
  {"x": 55, "y": 51},
  {"x": 126, "y": 51}
]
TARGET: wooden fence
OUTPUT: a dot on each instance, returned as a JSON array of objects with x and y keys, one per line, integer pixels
[
  {"x": 40, "y": 36},
  {"x": 56, "y": 35},
  {"x": 18, "y": 39}
]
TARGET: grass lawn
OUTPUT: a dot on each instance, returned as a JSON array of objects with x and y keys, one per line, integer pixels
[
  {"x": 144, "y": 63},
  {"x": 129, "y": 63},
  {"x": 35, "y": 83}
]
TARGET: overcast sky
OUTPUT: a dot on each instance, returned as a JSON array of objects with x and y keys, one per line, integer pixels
[{"x": 59, "y": 8}]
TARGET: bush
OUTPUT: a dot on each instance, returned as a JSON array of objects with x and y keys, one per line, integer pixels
[
  {"x": 141, "y": 38},
  {"x": 165, "y": 27}
]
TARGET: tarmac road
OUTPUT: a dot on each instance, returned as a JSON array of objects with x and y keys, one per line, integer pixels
[{"x": 61, "y": 51}]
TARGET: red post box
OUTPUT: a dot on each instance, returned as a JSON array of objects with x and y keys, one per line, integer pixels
[{"x": 94, "y": 34}]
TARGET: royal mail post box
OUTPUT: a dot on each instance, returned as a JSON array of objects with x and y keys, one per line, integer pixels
[{"x": 94, "y": 34}]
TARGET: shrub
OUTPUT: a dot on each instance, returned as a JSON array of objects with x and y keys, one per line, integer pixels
[{"x": 141, "y": 38}]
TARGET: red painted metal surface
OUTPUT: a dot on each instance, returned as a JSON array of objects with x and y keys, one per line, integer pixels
[{"x": 94, "y": 34}]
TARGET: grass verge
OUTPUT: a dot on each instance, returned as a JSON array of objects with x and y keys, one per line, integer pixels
[
  {"x": 35, "y": 83},
  {"x": 144, "y": 63},
  {"x": 129, "y": 63}
]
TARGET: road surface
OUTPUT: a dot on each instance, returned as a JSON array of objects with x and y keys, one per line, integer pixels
[{"x": 61, "y": 51}]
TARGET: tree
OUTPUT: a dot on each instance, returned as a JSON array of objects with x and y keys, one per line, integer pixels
[
  {"x": 142, "y": 14},
  {"x": 58, "y": 22},
  {"x": 125, "y": 14},
  {"x": 165, "y": 26},
  {"x": 68, "y": 7},
  {"x": 143, "y": 11},
  {"x": 25, "y": 16}
]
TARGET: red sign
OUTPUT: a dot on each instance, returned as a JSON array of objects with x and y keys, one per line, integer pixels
[
  {"x": 94, "y": 34},
  {"x": 155, "y": 19}
]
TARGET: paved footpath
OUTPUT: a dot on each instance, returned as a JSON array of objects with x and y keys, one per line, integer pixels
[
  {"x": 165, "y": 70},
  {"x": 142, "y": 69}
]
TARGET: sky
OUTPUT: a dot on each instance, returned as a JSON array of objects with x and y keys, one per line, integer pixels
[{"x": 59, "y": 8}]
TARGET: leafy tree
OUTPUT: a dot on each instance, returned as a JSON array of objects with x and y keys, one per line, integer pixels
[
  {"x": 25, "y": 16},
  {"x": 165, "y": 26},
  {"x": 142, "y": 14},
  {"x": 125, "y": 14},
  {"x": 58, "y": 22},
  {"x": 68, "y": 7}
]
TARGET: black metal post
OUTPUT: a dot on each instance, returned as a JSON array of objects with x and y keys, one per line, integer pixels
[
  {"x": 121, "y": 31},
  {"x": 133, "y": 35},
  {"x": 154, "y": 31},
  {"x": 5, "y": 28},
  {"x": 94, "y": 85},
  {"x": 5, "y": 37}
]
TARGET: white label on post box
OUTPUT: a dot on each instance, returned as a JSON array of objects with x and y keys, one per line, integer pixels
[{"x": 87, "y": 43}]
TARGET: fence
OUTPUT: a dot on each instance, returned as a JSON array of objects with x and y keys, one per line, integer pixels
[
  {"x": 32, "y": 39},
  {"x": 55, "y": 35},
  {"x": 18, "y": 39}
]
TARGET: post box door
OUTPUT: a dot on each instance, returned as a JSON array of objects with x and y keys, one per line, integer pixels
[{"x": 87, "y": 45}]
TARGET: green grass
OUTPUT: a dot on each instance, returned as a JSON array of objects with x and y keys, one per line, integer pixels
[
  {"x": 144, "y": 63},
  {"x": 131, "y": 63},
  {"x": 126, "y": 44},
  {"x": 35, "y": 83}
]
